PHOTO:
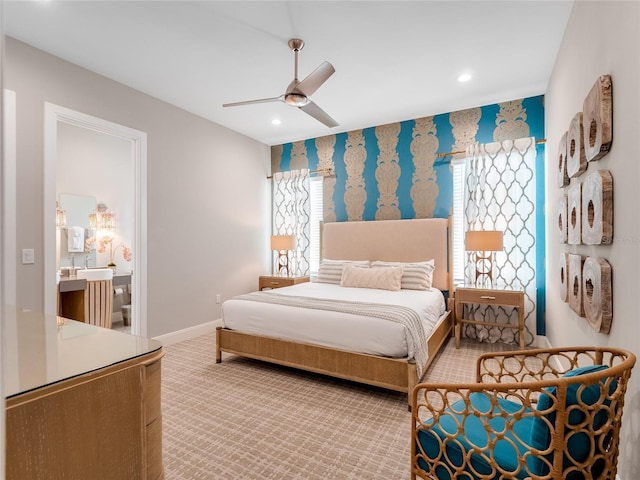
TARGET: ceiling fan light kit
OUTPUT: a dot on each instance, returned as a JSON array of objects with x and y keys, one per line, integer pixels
[
  {"x": 296, "y": 100},
  {"x": 298, "y": 92}
]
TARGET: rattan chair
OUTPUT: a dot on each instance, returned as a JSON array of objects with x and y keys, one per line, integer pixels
[{"x": 540, "y": 414}]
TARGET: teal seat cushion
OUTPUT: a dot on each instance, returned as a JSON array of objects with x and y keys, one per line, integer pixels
[
  {"x": 505, "y": 453},
  {"x": 579, "y": 444}
]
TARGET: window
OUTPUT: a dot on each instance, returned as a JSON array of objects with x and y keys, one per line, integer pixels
[
  {"x": 315, "y": 215},
  {"x": 458, "y": 167}
]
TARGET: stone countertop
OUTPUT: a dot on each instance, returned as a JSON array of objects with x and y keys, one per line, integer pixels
[{"x": 68, "y": 284}]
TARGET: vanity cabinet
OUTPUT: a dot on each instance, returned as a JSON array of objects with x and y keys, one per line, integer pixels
[
  {"x": 87, "y": 407},
  {"x": 71, "y": 299},
  {"x": 89, "y": 301}
]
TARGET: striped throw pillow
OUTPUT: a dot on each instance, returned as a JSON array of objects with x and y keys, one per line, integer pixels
[
  {"x": 415, "y": 276},
  {"x": 330, "y": 271}
]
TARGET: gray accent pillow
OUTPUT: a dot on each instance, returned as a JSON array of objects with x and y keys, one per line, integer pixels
[
  {"x": 330, "y": 271},
  {"x": 415, "y": 276}
]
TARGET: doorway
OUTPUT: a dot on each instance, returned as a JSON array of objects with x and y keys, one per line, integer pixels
[{"x": 55, "y": 116}]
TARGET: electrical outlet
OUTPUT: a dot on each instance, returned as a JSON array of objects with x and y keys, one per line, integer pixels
[
  {"x": 28, "y": 256},
  {"x": 218, "y": 298}
]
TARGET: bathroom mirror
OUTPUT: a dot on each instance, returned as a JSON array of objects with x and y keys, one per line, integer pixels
[{"x": 78, "y": 209}]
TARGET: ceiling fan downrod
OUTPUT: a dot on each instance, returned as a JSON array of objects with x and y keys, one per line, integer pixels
[
  {"x": 296, "y": 45},
  {"x": 293, "y": 98}
]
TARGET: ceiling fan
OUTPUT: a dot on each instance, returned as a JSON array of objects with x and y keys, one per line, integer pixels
[{"x": 298, "y": 92}]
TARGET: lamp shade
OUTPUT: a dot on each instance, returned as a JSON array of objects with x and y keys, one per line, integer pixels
[
  {"x": 283, "y": 242},
  {"x": 483, "y": 241}
]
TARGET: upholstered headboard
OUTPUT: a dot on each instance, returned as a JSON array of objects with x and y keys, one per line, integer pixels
[{"x": 392, "y": 241}]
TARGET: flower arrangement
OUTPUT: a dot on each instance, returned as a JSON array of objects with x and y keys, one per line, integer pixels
[
  {"x": 102, "y": 248},
  {"x": 103, "y": 243},
  {"x": 89, "y": 244}
]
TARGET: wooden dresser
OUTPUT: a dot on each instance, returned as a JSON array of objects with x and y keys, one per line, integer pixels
[{"x": 82, "y": 401}]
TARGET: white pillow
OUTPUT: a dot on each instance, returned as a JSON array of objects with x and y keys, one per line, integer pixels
[
  {"x": 415, "y": 276},
  {"x": 330, "y": 271},
  {"x": 387, "y": 278}
]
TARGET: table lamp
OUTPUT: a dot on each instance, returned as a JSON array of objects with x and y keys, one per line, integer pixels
[
  {"x": 484, "y": 243},
  {"x": 282, "y": 244}
]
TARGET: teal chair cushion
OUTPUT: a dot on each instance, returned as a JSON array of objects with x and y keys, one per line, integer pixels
[
  {"x": 579, "y": 444},
  {"x": 505, "y": 453}
]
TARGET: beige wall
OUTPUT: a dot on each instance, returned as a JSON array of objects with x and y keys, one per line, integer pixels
[
  {"x": 207, "y": 194},
  {"x": 601, "y": 38}
]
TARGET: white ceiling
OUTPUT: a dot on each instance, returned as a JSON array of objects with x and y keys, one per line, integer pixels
[{"x": 394, "y": 60}]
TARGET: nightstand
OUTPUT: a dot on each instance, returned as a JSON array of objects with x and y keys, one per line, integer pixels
[
  {"x": 267, "y": 281},
  {"x": 503, "y": 297}
]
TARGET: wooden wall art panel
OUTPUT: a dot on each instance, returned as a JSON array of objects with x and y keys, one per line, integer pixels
[
  {"x": 597, "y": 208},
  {"x": 596, "y": 291},
  {"x": 574, "y": 217},
  {"x": 562, "y": 218},
  {"x": 564, "y": 276},
  {"x": 576, "y": 159},
  {"x": 575, "y": 283},
  {"x": 585, "y": 209},
  {"x": 598, "y": 119},
  {"x": 562, "y": 177}
]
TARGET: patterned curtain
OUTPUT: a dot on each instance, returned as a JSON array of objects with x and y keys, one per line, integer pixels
[
  {"x": 500, "y": 194},
  {"x": 291, "y": 214}
]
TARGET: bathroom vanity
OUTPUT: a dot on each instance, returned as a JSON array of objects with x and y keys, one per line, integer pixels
[
  {"x": 81, "y": 401},
  {"x": 77, "y": 301}
]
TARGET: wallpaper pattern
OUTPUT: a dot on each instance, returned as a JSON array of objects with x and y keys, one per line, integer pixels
[
  {"x": 355, "y": 194},
  {"x": 326, "y": 148},
  {"x": 394, "y": 171},
  {"x": 511, "y": 122},
  {"x": 464, "y": 125},
  {"x": 424, "y": 182},
  {"x": 388, "y": 172}
]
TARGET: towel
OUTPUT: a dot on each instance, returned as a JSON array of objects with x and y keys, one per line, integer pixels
[{"x": 75, "y": 239}]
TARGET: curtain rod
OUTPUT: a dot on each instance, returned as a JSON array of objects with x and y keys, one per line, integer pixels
[
  {"x": 328, "y": 171},
  {"x": 446, "y": 154}
]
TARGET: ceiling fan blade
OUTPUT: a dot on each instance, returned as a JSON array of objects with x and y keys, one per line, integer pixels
[
  {"x": 316, "y": 78},
  {"x": 316, "y": 112},
  {"x": 251, "y": 102}
]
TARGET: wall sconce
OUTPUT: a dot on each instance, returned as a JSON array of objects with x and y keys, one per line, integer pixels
[
  {"x": 282, "y": 244},
  {"x": 61, "y": 216},
  {"x": 102, "y": 219},
  {"x": 484, "y": 243},
  {"x": 93, "y": 221}
]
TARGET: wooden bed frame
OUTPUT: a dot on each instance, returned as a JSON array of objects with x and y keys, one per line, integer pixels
[{"x": 388, "y": 240}]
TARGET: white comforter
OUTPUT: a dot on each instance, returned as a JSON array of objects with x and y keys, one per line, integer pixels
[{"x": 350, "y": 332}]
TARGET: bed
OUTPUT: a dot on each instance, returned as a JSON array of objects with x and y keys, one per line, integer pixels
[{"x": 382, "y": 363}]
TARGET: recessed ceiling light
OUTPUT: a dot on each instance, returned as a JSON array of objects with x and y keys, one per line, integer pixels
[
  {"x": 276, "y": 121},
  {"x": 465, "y": 77}
]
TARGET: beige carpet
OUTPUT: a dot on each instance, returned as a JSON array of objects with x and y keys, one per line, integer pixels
[{"x": 243, "y": 419}]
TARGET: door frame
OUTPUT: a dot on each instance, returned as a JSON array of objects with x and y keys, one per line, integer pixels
[{"x": 54, "y": 114}]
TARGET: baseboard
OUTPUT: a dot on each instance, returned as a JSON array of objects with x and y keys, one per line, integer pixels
[
  {"x": 542, "y": 342},
  {"x": 189, "y": 333}
]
